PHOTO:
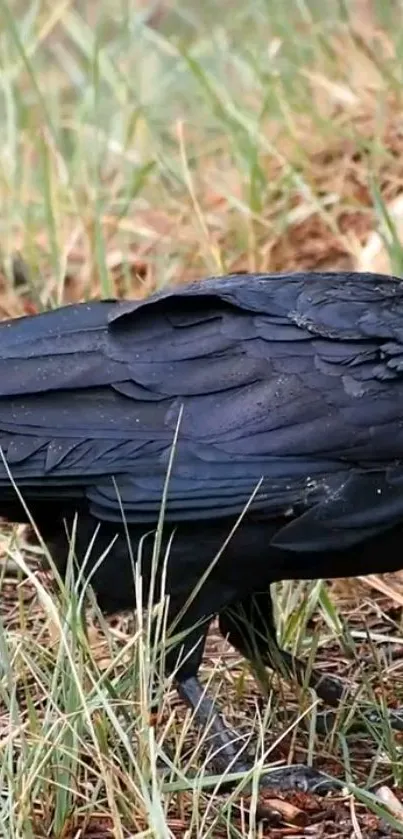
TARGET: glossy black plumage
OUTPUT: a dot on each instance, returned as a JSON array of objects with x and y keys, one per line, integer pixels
[
  {"x": 294, "y": 381},
  {"x": 289, "y": 390}
]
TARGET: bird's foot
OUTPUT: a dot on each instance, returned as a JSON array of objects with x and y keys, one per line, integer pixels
[
  {"x": 327, "y": 721},
  {"x": 299, "y": 778},
  {"x": 227, "y": 758}
]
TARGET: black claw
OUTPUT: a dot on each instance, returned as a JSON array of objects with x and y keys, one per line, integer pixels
[
  {"x": 396, "y": 719},
  {"x": 326, "y": 720},
  {"x": 301, "y": 778}
]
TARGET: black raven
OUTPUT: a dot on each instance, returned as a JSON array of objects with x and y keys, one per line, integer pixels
[{"x": 285, "y": 395}]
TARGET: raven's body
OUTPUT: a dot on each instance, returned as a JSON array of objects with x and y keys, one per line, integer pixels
[{"x": 286, "y": 395}]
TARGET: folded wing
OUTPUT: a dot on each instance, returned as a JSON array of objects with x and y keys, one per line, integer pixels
[{"x": 288, "y": 392}]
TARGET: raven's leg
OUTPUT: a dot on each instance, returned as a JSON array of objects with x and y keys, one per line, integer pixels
[
  {"x": 249, "y": 627},
  {"x": 226, "y": 746}
]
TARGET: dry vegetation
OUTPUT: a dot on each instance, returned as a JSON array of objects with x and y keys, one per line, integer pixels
[{"x": 151, "y": 142}]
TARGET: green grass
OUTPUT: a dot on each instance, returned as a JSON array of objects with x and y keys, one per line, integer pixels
[
  {"x": 139, "y": 149},
  {"x": 183, "y": 150}
]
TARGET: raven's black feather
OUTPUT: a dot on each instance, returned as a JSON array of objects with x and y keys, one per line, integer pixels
[{"x": 291, "y": 388}]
